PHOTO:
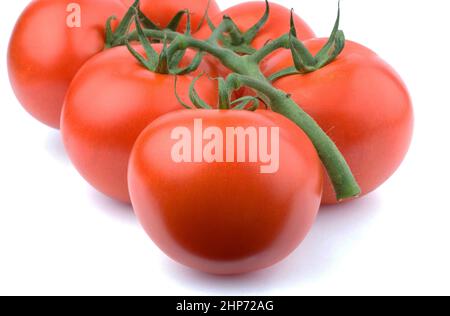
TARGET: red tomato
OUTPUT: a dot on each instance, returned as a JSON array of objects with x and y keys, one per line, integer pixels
[
  {"x": 51, "y": 41},
  {"x": 110, "y": 101},
  {"x": 362, "y": 103},
  {"x": 224, "y": 218},
  {"x": 246, "y": 14},
  {"x": 161, "y": 12}
]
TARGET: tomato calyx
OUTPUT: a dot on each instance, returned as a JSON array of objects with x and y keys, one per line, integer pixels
[
  {"x": 240, "y": 41},
  {"x": 205, "y": 17},
  {"x": 225, "y": 102},
  {"x": 163, "y": 63},
  {"x": 173, "y": 24},
  {"x": 112, "y": 37},
  {"x": 304, "y": 61},
  {"x": 116, "y": 38}
]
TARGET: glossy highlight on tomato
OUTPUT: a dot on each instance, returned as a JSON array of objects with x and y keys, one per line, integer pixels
[
  {"x": 110, "y": 101},
  {"x": 225, "y": 218},
  {"x": 50, "y": 42},
  {"x": 362, "y": 104}
]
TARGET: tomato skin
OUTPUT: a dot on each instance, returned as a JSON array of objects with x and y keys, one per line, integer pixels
[
  {"x": 162, "y": 12},
  {"x": 246, "y": 14},
  {"x": 110, "y": 101},
  {"x": 225, "y": 218},
  {"x": 44, "y": 53},
  {"x": 364, "y": 106}
]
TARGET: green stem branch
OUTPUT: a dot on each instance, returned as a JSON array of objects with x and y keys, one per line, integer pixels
[
  {"x": 340, "y": 174},
  {"x": 282, "y": 42}
]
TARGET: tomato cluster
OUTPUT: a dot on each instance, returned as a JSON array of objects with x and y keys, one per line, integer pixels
[{"x": 225, "y": 189}]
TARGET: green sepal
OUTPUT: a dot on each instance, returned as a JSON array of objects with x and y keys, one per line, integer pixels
[
  {"x": 173, "y": 24},
  {"x": 242, "y": 103},
  {"x": 176, "y": 58},
  {"x": 127, "y": 20},
  {"x": 162, "y": 66},
  {"x": 151, "y": 53},
  {"x": 224, "y": 94},
  {"x": 146, "y": 63},
  {"x": 293, "y": 30},
  {"x": 184, "y": 104},
  {"x": 188, "y": 31},
  {"x": 334, "y": 46},
  {"x": 176, "y": 20},
  {"x": 195, "y": 98},
  {"x": 109, "y": 33},
  {"x": 210, "y": 24},
  {"x": 146, "y": 22},
  {"x": 236, "y": 37},
  {"x": 250, "y": 35},
  {"x": 283, "y": 73},
  {"x": 234, "y": 40},
  {"x": 304, "y": 61},
  {"x": 113, "y": 37},
  {"x": 205, "y": 16},
  {"x": 196, "y": 62},
  {"x": 151, "y": 62}
]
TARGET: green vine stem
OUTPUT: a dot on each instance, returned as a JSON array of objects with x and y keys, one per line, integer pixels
[
  {"x": 338, "y": 170},
  {"x": 246, "y": 72}
]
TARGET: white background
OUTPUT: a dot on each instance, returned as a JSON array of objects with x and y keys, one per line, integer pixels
[{"x": 59, "y": 236}]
